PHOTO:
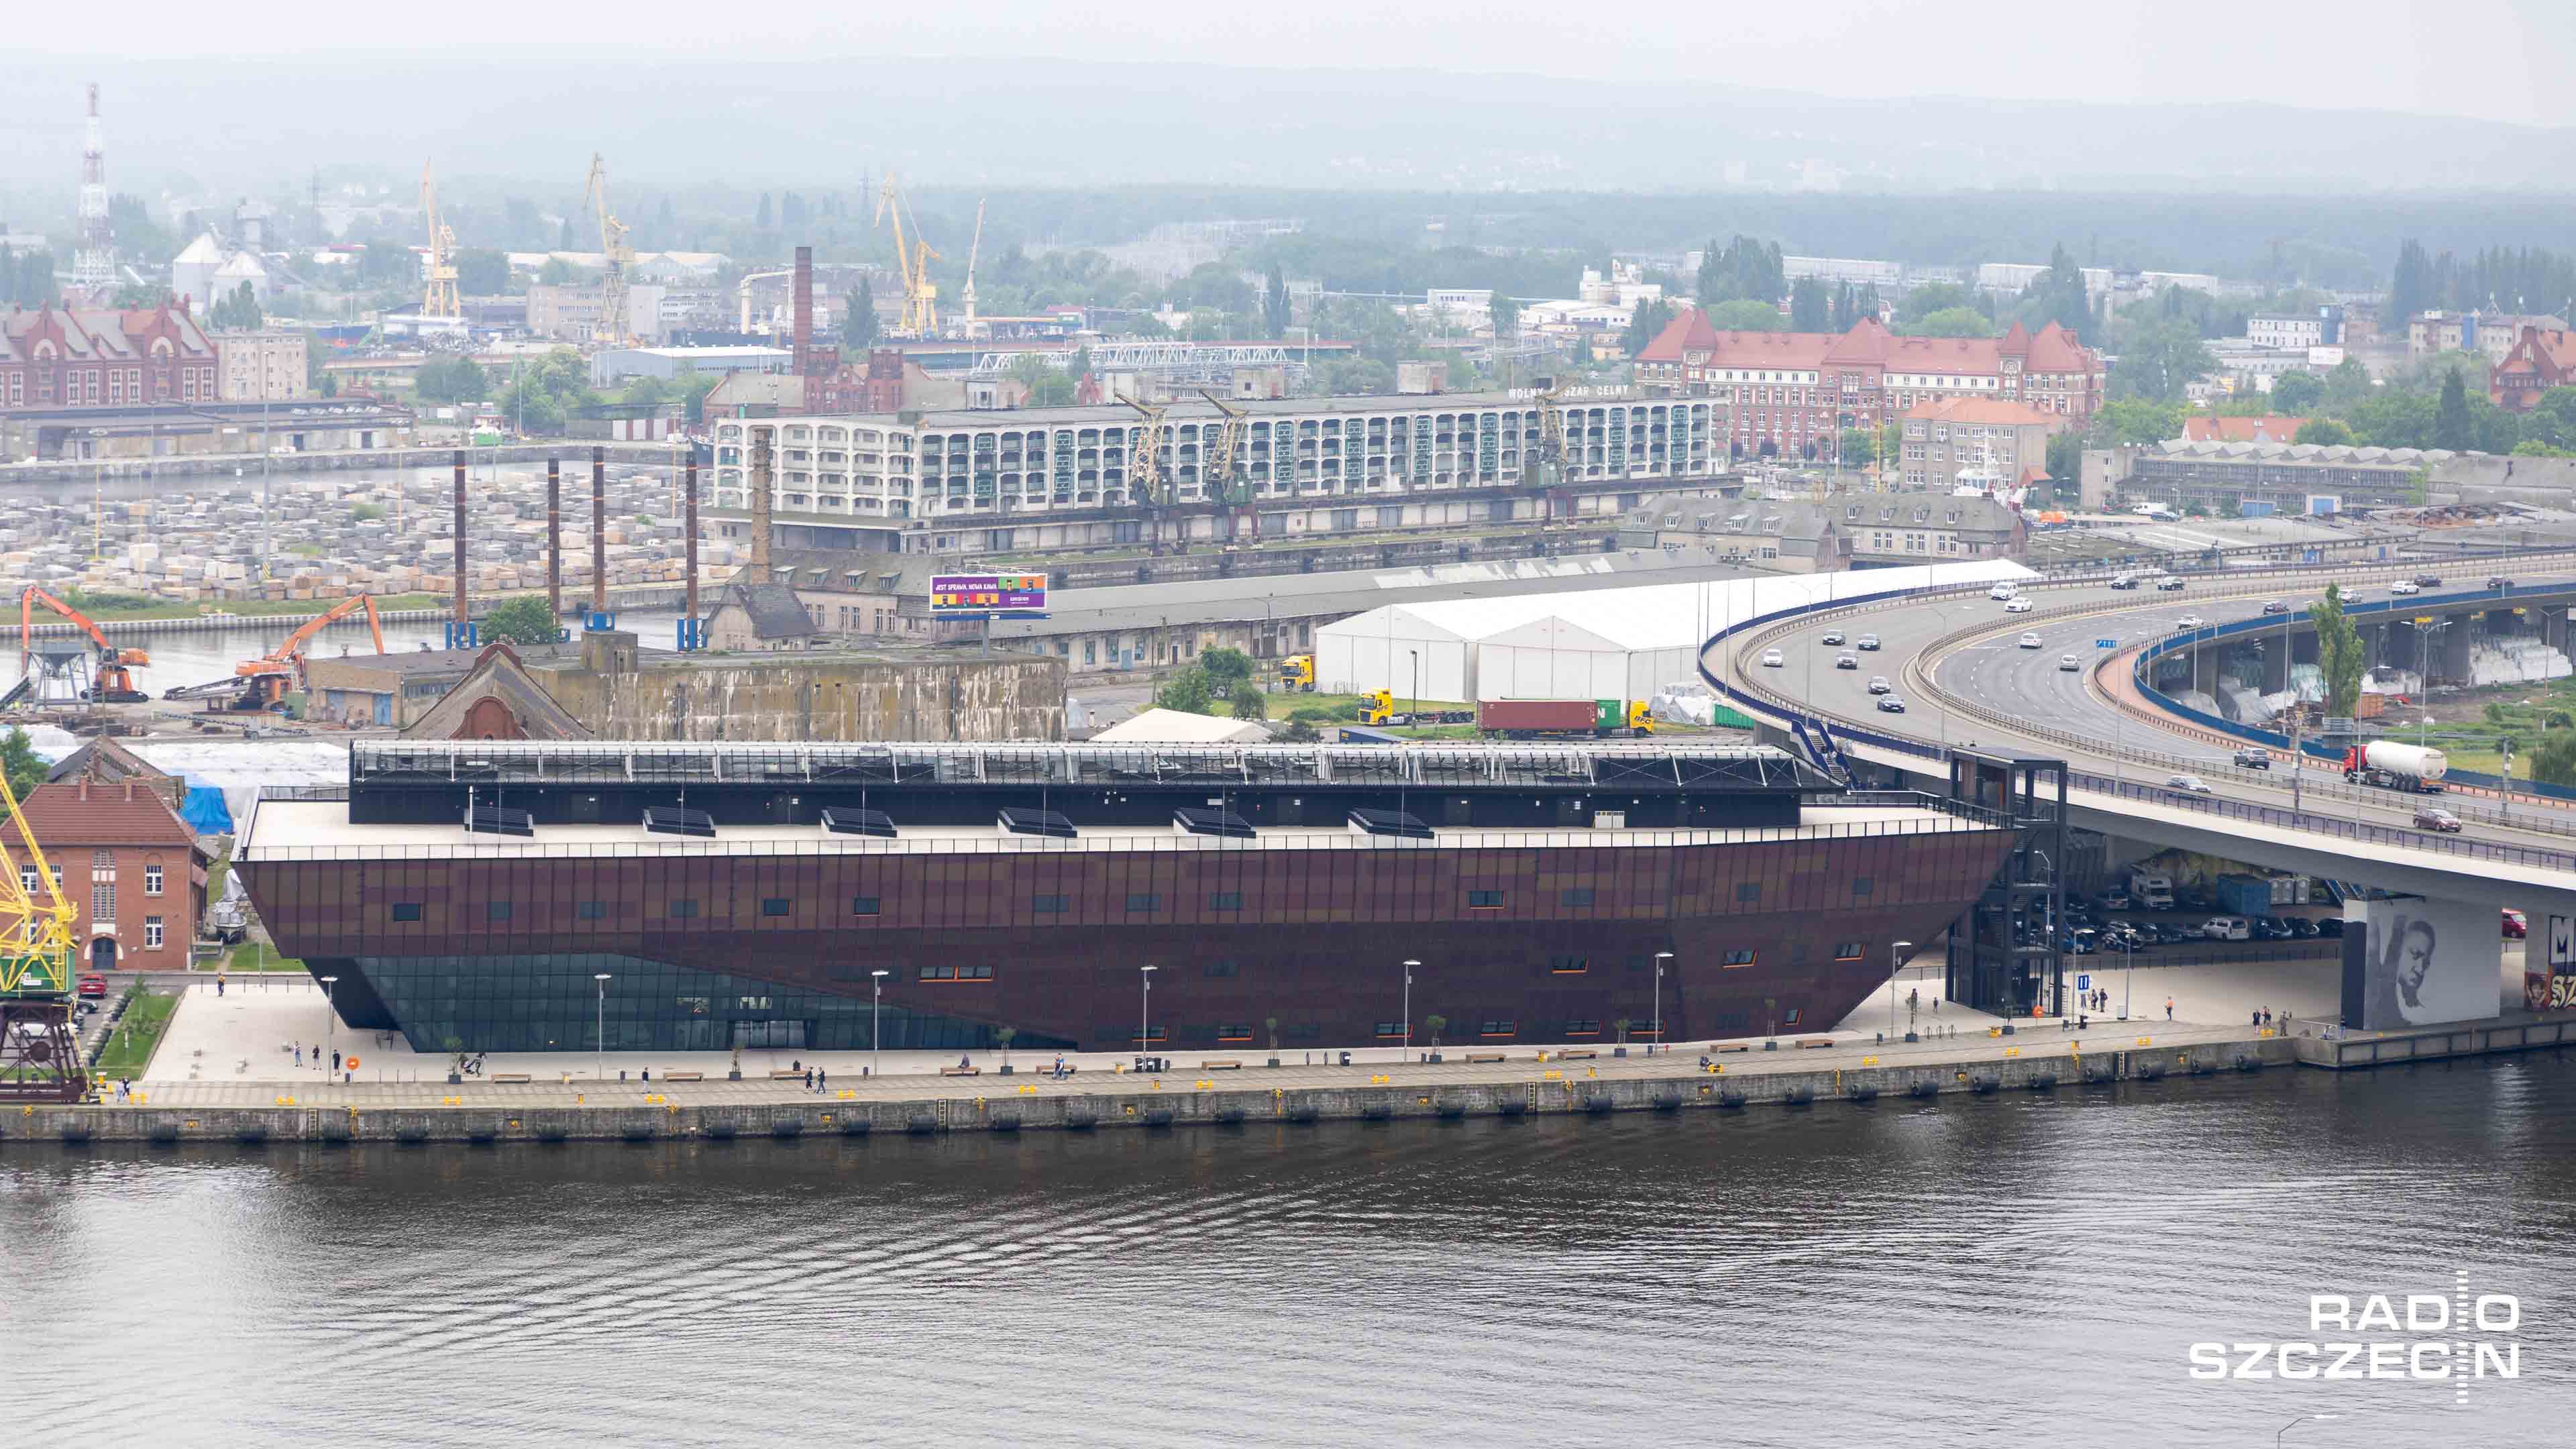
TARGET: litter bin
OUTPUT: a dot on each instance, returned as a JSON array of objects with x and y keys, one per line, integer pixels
[{"x": 1346, "y": 1059}]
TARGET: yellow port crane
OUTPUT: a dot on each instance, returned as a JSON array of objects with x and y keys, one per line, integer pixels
[
  {"x": 920, "y": 297},
  {"x": 967, "y": 293},
  {"x": 611, "y": 329},
  {"x": 440, "y": 299},
  {"x": 39, "y": 1056}
]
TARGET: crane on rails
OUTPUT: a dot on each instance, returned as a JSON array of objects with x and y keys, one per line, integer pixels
[
  {"x": 441, "y": 298},
  {"x": 920, "y": 297},
  {"x": 611, "y": 329},
  {"x": 111, "y": 680},
  {"x": 1146, "y": 481},
  {"x": 1225, "y": 483},
  {"x": 39, "y": 1056}
]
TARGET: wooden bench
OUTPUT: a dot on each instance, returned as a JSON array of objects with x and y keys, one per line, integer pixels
[
  {"x": 961, "y": 1071},
  {"x": 510, "y": 1077},
  {"x": 785, "y": 1074},
  {"x": 1577, "y": 1054},
  {"x": 1817, "y": 1041},
  {"x": 684, "y": 1076},
  {"x": 1738, "y": 1047},
  {"x": 1220, "y": 1066},
  {"x": 1476, "y": 1058}
]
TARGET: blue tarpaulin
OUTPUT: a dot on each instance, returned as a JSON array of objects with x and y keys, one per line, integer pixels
[{"x": 206, "y": 812}]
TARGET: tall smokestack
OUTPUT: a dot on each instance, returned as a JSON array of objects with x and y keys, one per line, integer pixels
[
  {"x": 554, "y": 539},
  {"x": 804, "y": 356},
  {"x": 599, "y": 530},
  {"x": 689, "y": 526},
  {"x": 760, "y": 491},
  {"x": 460, "y": 536}
]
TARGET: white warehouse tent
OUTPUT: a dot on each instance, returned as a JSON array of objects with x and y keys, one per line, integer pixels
[{"x": 1582, "y": 644}]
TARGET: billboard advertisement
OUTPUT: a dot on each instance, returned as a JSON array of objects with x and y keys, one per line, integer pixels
[
  {"x": 2415, "y": 962},
  {"x": 988, "y": 596},
  {"x": 2549, "y": 982}
]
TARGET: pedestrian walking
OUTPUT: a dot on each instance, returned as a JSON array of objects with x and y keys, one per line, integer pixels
[
  {"x": 335, "y": 1059},
  {"x": 809, "y": 1079},
  {"x": 2168, "y": 1008},
  {"x": 299, "y": 1056},
  {"x": 822, "y": 1080},
  {"x": 219, "y": 983}
]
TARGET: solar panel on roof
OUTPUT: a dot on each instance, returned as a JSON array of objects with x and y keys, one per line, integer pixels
[
  {"x": 1390, "y": 822},
  {"x": 842, "y": 820},
  {"x": 678, "y": 820},
  {"x": 1195, "y": 820},
  {"x": 499, "y": 820},
  {"x": 1020, "y": 820}
]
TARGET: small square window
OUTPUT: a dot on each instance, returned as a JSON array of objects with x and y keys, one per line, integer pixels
[
  {"x": 1747, "y": 892},
  {"x": 1568, "y": 965},
  {"x": 1847, "y": 951},
  {"x": 683, "y": 909},
  {"x": 773, "y": 905},
  {"x": 496, "y": 910},
  {"x": 406, "y": 910},
  {"x": 863, "y": 905},
  {"x": 1791, "y": 1018},
  {"x": 1484, "y": 900},
  {"x": 592, "y": 911},
  {"x": 1860, "y": 885},
  {"x": 1224, "y": 968},
  {"x": 1047, "y": 905},
  {"x": 1574, "y": 896},
  {"x": 1144, "y": 901},
  {"x": 1225, "y": 900},
  {"x": 1736, "y": 958}
]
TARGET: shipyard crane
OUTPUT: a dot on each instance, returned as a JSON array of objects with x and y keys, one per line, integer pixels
[
  {"x": 1549, "y": 471},
  {"x": 263, "y": 682},
  {"x": 39, "y": 1057},
  {"x": 974, "y": 250},
  {"x": 611, "y": 330},
  {"x": 1146, "y": 482},
  {"x": 441, "y": 299},
  {"x": 111, "y": 680},
  {"x": 1223, "y": 484},
  {"x": 920, "y": 297}
]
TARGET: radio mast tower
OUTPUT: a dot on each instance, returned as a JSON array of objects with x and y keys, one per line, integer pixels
[{"x": 94, "y": 264}]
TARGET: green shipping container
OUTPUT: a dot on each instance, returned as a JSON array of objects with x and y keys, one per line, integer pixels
[{"x": 1609, "y": 715}]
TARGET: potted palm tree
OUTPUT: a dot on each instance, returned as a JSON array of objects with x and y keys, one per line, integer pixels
[
  {"x": 1620, "y": 1049},
  {"x": 1435, "y": 1023},
  {"x": 1771, "y": 1023},
  {"x": 455, "y": 1059},
  {"x": 1002, "y": 1038},
  {"x": 735, "y": 1075},
  {"x": 1271, "y": 1024}
]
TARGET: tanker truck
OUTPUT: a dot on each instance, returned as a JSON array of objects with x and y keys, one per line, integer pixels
[{"x": 2392, "y": 766}]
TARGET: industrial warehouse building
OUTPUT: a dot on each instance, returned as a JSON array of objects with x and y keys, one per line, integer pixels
[{"x": 1603, "y": 644}]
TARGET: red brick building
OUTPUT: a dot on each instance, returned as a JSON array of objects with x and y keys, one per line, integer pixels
[
  {"x": 2542, "y": 358},
  {"x": 1789, "y": 390},
  {"x": 127, "y": 863},
  {"x": 57, "y": 357}
]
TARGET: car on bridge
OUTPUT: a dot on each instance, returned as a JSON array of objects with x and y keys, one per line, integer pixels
[
  {"x": 2001, "y": 591},
  {"x": 2516, "y": 925},
  {"x": 2499, "y": 582},
  {"x": 1831, "y": 637},
  {"x": 2188, "y": 785},
  {"x": 2171, "y": 582},
  {"x": 2125, "y": 581},
  {"x": 1868, "y": 642},
  {"x": 2069, "y": 664},
  {"x": 1878, "y": 684},
  {"x": 1847, "y": 661},
  {"x": 2017, "y": 605},
  {"x": 2029, "y": 641},
  {"x": 2253, "y": 757},
  {"x": 1890, "y": 704},
  {"x": 1773, "y": 659},
  {"x": 2190, "y": 621},
  {"x": 2407, "y": 586},
  {"x": 2439, "y": 821},
  {"x": 2276, "y": 606}
]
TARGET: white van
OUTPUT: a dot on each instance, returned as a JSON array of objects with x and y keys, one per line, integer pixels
[
  {"x": 2227, "y": 928},
  {"x": 2001, "y": 591}
]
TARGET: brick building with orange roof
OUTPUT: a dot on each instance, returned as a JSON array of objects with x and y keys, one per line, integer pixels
[
  {"x": 128, "y": 865},
  {"x": 2542, "y": 358},
  {"x": 1789, "y": 394},
  {"x": 1986, "y": 442}
]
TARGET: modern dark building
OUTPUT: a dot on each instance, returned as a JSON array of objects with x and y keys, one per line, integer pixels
[{"x": 750, "y": 894}]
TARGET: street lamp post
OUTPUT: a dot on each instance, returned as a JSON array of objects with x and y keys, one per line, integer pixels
[
  {"x": 2128, "y": 966},
  {"x": 2294, "y": 1423},
  {"x": 1895, "y": 962},
  {"x": 1144, "y": 1009},
  {"x": 331, "y": 1019},
  {"x": 1407, "y": 1050},
  {"x": 876, "y": 1038},
  {"x": 1660, "y": 958},
  {"x": 1414, "y": 707},
  {"x": 599, "y": 1029}
]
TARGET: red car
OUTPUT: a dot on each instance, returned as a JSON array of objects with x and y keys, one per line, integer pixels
[
  {"x": 2516, "y": 926},
  {"x": 93, "y": 986}
]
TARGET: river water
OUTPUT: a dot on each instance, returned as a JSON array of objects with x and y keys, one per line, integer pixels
[{"x": 2012, "y": 1270}]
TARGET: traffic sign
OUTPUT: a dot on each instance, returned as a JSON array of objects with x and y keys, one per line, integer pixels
[{"x": 2106, "y": 643}]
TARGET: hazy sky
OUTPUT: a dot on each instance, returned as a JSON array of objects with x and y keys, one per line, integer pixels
[{"x": 2505, "y": 60}]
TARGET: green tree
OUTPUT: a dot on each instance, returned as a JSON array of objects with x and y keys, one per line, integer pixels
[
  {"x": 2296, "y": 394},
  {"x": 19, "y": 762},
  {"x": 2136, "y": 422},
  {"x": 1227, "y": 669},
  {"x": 2065, "y": 460},
  {"x": 2339, "y": 652},
  {"x": 1743, "y": 270},
  {"x": 547, "y": 392},
  {"x": 451, "y": 380},
  {"x": 691, "y": 387},
  {"x": 1743, "y": 315},
  {"x": 482, "y": 272},
  {"x": 1188, "y": 690},
  {"x": 859, "y": 318},
  {"x": 1646, "y": 324},
  {"x": 2552, "y": 419},
  {"x": 557, "y": 273},
  {"x": 2163, "y": 358},
  {"x": 2323, "y": 431},
  {"x": 1810, "y": 310},
  {"x": 2347, "y": 384},
  {"x": 2451, "y": 426},
  {"x": 1049, "y": 386},
  {"x": 2553, "y": 760},
  {"x": 1859, "y": 447},
  {"x": 1506, "y": 312},
  {"x": 521, "y": 620},
  {"x": 1929, "y": 298},
  {"x": 1248, "y": 704},
  {"x": 1953, "y": 322},
  {"x": 1275, "y": 313}
]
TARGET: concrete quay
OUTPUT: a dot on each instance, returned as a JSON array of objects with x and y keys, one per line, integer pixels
[{"x": 1199, "y": 1091}]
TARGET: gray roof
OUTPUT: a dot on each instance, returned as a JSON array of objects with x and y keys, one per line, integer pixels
[
  {"x": 774, "y": 610},
  {"x": 855, "y": 571}
]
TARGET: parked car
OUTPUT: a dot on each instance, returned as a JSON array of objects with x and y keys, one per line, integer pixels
[
  {"x": 92, "y": 986},
  {"x": 1832, "y": 636},
  {"x": 1890, "y": 704},
  {"x": 2069, "y": 664},
  {"x": 2115, "y": 900},
  {"x": 2030, "y": 641},
  {"x": 2227, "y": 928},
  {"x": 2253, "y": 757},
  {"x": 2516, "y": 925},
  {"x": 2440, "y": 821},
  {"x": 1847, "y": 661},
  {"x": 2272, "y": 928},
  {"x": 2188, "y": 785},
  {"x": 2275, "y": 606},
  {"x": 1878, "y": 685},
  {"x": 1773, "y": 659},
  {"x": 1867, "y": 641},
  {"x": 2017, "y": 606},
  {"x": 2330, "y": 927},
  {"x": 2303, "y": 928},
  {"x": 2083, "y": 942}
]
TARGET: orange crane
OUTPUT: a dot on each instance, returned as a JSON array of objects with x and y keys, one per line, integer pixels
[
  {"x": 264, "y": 680},
  {"x": 113, "y": 683}
]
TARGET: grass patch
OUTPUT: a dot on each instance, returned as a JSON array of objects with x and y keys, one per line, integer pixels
[
  {"x": 1341, "y": 708},
  {"x": 253, "y": 959},
  {"x": 254, "y": 608},
  {"x": 131, "y": 1042}
]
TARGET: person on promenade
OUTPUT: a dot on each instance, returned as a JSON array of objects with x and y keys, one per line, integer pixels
[
  {"x": 822, "y": 1080},
  {"x": 219, "y": 983},
  {"x": 809, "y": 1079},
  {"x": 2168, "y": 1008}
]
